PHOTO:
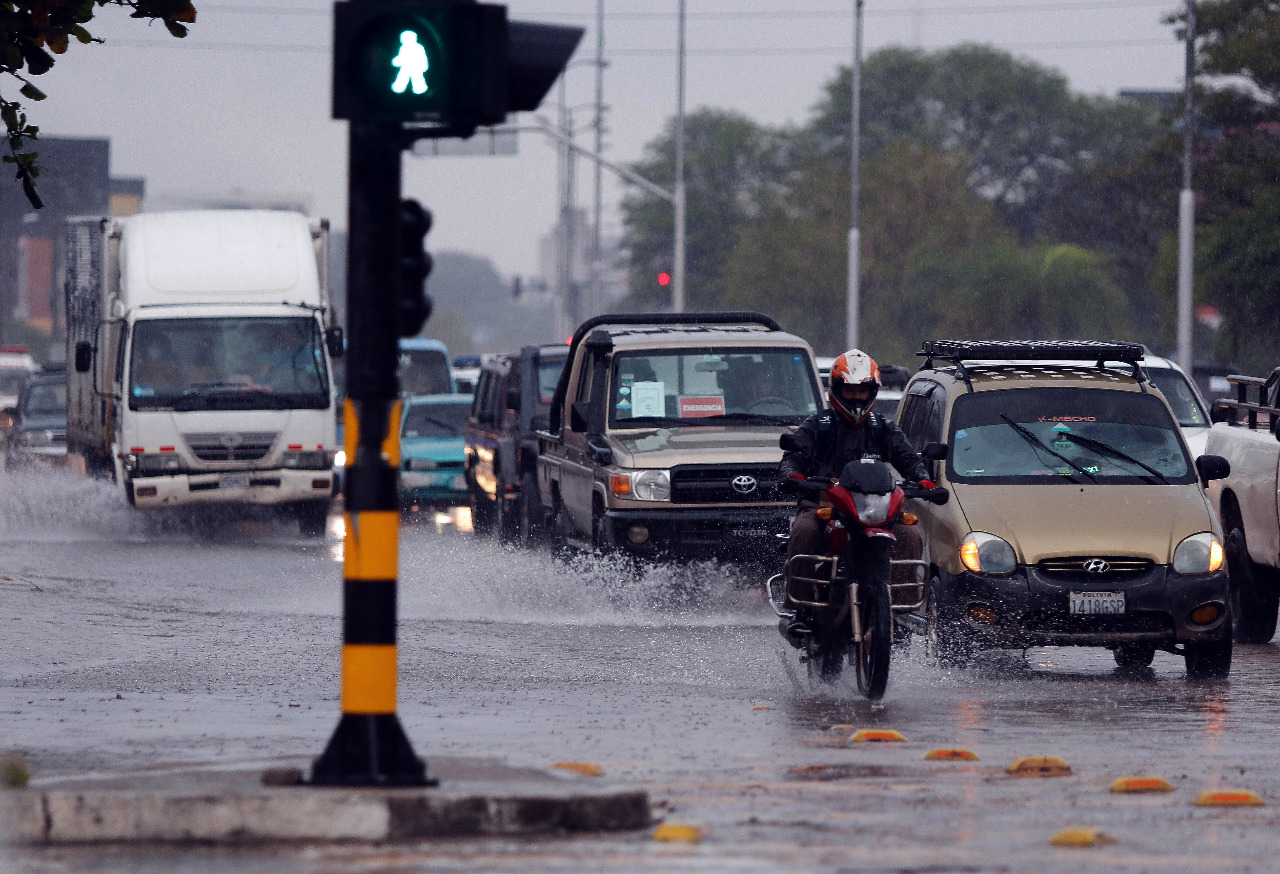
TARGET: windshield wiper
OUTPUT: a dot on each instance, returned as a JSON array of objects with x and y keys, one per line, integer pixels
[
  {"x": 754, "y": 418},
  {"x": 1108, "y": 449},
  {"x": 1036, "y": 441}
]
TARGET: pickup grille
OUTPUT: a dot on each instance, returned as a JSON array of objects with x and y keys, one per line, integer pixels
[
  {"x": 231, "y": 445},
  {"x": 1079, "y": 566},
  {"x": 714, "y": 483}
]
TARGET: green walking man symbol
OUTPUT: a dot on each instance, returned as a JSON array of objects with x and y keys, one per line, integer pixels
[{"x": 413, "y": 64}]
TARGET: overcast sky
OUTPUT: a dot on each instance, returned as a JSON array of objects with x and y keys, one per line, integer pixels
[{"x": 243, "y": 102}]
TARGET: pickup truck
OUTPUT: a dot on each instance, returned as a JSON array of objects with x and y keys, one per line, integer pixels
[
  {"x": 663, "y": 435},
  {"x": 1247, "y": 433}
]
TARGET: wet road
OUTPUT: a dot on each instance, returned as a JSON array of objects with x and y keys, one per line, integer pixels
[{"x": 127, "y": 641}]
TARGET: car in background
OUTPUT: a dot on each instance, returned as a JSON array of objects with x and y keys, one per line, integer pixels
[
  {"x": 16, "y": 364},
  {"x": 466, "y": 373},
  {"x": 1189, "y": 408},
  {"x": 432, "y": 451},
  {"x": 424, "y": 367},
  {"x": 893, "y": 379},
  {"x": 39, "y": 433}
]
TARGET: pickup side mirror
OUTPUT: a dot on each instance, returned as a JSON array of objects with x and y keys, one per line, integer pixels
[
  {"x": 1211, "y": 467},
  {"x": 578, "y": 416},
  {"x": 1218, "y": 413},
  {"x": 84, "y": 356},
  {"x": 333, "y": 340},
  {"x": 935, "y": 451}
]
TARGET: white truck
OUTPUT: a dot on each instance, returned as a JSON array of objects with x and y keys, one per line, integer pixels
[
  {"x": 1247, "y": 434},
  {"x": 198, "y": 350}
]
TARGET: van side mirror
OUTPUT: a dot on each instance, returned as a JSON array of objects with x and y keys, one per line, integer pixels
[
  {"x": 1211, "y": 467},
  {"x": 84, "y": 356},
  {"x": 334, "y": 341},
  {"x": 578, "y": 416},
  {"x": 935, "y": 451}
]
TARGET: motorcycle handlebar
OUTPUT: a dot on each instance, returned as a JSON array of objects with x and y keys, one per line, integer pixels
[
  {"x": 794, "y": 485},
  {"x": 937, "y": 495}
]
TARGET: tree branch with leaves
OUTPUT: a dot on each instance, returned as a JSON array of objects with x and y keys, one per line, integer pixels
[{"x": 31, "y": 33}]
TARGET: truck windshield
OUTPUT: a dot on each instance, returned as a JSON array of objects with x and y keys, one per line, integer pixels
[
  {"x": 1065, "y": 435},
  {"x": 228, "y": 364},
  {"x": 711, "y": 386}
]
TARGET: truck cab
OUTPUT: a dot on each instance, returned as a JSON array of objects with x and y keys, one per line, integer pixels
[{"x": 663, "y": 435}]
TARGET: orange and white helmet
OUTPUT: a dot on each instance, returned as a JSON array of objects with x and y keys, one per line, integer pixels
[{"x": 854, "y": 368}]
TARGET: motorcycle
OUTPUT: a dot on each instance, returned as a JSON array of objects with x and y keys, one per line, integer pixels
[{"x": 844, "y": 598}]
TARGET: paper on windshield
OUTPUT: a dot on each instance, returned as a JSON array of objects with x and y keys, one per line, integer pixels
[{"x": 648, "y": 399}]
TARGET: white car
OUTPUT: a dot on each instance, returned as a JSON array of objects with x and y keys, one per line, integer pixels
[{"x": 1189, "y": 408}]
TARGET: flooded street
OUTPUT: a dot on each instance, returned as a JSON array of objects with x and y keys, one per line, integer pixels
[{"x": 130, "y": 641}]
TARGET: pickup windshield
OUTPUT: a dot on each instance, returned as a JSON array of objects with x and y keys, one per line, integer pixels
[
  {"x": 228, "y": 364},
  {"x": 1065, "y": 435},
  {"x": 663, "y": 388}
]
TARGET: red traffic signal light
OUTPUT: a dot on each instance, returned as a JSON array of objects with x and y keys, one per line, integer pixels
[{"x": 664, "y": 279}]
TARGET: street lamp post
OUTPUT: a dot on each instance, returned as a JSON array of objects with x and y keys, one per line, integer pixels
[
  {"x": 1187, "y": 204},
  {"x": 852, "y": 302},
  {"x": 677, "y": 272}
]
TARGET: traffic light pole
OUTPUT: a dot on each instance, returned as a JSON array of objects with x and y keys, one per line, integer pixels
[{"x": 369, "y": 746}]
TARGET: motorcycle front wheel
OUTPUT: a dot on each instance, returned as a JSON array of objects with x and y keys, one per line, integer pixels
[{"x": 872, "y": 654}]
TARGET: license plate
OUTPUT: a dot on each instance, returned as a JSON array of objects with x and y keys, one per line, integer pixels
[
  {"x": 234, "y": 481},
  {"x": 1096, "y": 603}
]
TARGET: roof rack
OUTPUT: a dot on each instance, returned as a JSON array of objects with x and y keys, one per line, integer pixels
[{"x": 959, "y": 351}]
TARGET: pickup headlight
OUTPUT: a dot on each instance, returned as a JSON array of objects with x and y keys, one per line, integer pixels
[
  {"x": 987, "y": 554},
  {"x": 1198, "y": 554},
  {"x": 642, "y": 485},
  {"x": 36, "y": 439}
]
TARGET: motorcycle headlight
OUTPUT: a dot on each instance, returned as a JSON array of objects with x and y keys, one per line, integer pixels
[
  {"x": 1198, "y": 554},
  {"x": 987, "y": 554},
  {"x": 872, "y": 509},
  {"x": 651, "y": 485}
]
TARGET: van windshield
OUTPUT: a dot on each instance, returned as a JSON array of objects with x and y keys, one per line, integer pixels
[
  {"x": 228, "y": 364},
  {"x": 711, "y": 386},
  {"x": 1065, "y": 435}
]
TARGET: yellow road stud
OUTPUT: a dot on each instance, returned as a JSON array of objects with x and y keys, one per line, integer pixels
[
  {"x": 586, "y": 769},
  {"x": 1040, "y": 766},
  {"x": 843, "y": 727},
  {"x": 1080, "y": 837},
  {"x": 762, "y": 707},
  {"x": 877, "y": 735},
  {"x": 1141, "y": 785},
  {"x": 1229, "y": 798},
  {"x": 950, "y": 755},
  {"x": 673, "y": 832}
]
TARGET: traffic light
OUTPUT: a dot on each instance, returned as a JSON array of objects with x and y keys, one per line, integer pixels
[
  {"x": 449, "y": 65},
  {"x": 413, "y": 307}
]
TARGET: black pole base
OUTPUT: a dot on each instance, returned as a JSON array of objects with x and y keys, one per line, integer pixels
[{"x": 370, "y": 750}]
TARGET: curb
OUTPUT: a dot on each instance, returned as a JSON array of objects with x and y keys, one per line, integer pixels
[{"x": 233, "y": 808}]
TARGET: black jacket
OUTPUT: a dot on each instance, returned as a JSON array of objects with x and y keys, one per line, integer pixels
[{"x": 829, "y": 442}]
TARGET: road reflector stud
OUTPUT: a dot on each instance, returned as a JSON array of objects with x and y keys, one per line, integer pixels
[
  {"x": 673, "y": 832},
  {"x": 877, "y": 735},
  {"x": 950, "y": 755},
  {"x": 762, "y": 707},
  {"x": 586, "y": 769},
  {"x": 1040, "y": 766},
  {"x": 1080, "y": 837},
  {"x": 1141, "y": 785},
  {"x": 1229, "y": 798}
]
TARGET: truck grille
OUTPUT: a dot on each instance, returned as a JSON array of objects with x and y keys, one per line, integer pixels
[
  {"x": 231, "y": 445},
  {"x": 1085, "y": 566},
  {"x": 715, "y": 483}
]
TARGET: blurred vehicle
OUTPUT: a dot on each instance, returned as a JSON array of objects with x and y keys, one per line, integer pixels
[
  {"x": 466, "y": 373},
  {"x": 424, "y": 367},
  {"x": 1189, "y": 408},
  {"x": 513, "y": 401},
  {"x": 432, "y": 450},
  {"x": 1078, "y": 517},
  {"x": 16, "y": 364},
  {"x": 893, "y": 379},
  {"x": 39, "y": 433}
]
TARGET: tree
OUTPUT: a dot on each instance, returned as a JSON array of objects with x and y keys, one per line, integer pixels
[{"x": 31, "y": 33}]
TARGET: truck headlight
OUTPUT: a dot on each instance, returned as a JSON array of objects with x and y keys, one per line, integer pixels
[
  {"x": 651, "y": 485},
  {"x": 154, "y": 463},
  {"x": 312, "y": 460},
  {"x": 1198, "y": 554},
  {"x": 987, "y": 554},
  {"x": 36, "y": 439}
]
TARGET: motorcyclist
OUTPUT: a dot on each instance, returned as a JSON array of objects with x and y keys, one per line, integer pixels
[{"x": 831, "y": 439}]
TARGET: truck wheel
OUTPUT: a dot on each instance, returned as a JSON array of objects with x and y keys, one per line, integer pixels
[
  {"x": 481, "y": 514},
  {"x": 1255, "y": 599},
  {"x": 1211, "y": 660},
  {"x": 313, "y": 517},
  {"x": 531, "y": 522}
]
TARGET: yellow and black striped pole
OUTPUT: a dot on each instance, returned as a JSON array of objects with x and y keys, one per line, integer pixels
[{"x": 369, "y": 746}]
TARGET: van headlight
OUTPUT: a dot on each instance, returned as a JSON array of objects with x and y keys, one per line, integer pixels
[
  {"x": 1198, "y": 554},
  {"x": 987, "y": 554}
]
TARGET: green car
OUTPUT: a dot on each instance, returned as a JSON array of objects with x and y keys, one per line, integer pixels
[{"x": 432, "y": 440}]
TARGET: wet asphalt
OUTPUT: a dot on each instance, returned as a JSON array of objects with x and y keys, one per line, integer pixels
[{"x": 130, "y": 640}]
